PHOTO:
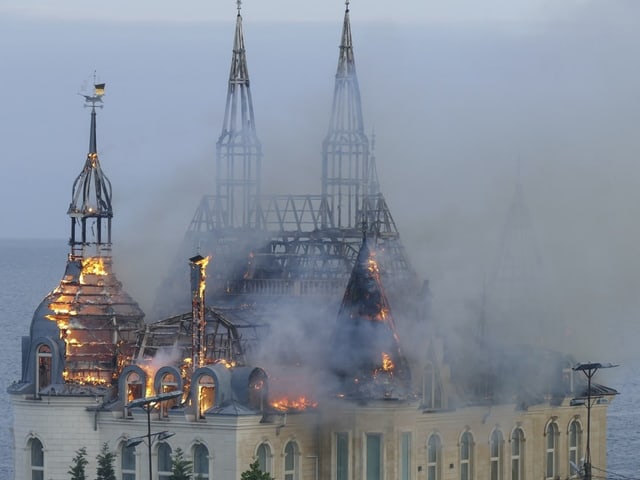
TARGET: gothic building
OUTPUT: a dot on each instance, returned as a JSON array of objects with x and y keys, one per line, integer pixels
[{"x": 324, "y": 275}]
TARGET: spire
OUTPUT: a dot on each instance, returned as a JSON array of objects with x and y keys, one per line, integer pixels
[
  {"x": 238, "y": 150},
  {"x": 90, "y": 209},
  {"x": 365, "y": 339},
  {"x": 345, "y": 149}
]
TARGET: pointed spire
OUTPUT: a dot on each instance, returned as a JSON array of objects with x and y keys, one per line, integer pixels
[
  {"x": 239, "y": 151},
  {"x": 365, "y": 335},
  {"x": 345, "y": 149},
  {"x": 90, "y": 209}
]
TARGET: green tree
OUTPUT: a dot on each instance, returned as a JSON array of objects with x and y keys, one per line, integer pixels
[
  {"x": 105, "y": 460},
  {"x": 181, "y": 468},
  {"x": 77, "y": 468},
  {"x": 254, "y": 473}
]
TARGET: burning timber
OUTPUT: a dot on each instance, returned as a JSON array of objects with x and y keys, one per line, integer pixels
[{"x": 283, "y": 338}]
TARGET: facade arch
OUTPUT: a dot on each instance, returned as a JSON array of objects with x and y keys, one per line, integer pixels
[
  {"x": 434, "y": 456},
  {"x": 48, "y": 363},
  {"x": 264, "y": 455},
  {"x": 496, "y": 454},
  {"x": 201, "y": 458},
  {"x": 164, "y": 460},
  {"x": 574, "y": 446},
  {"x": 291, "y": 455},
  {"x": 127, "y": 460},
  {"x": 551, "y": 449},
  {"x": 167, "y": 379},
  {"x": 35, "y": 458},
  {"x": 466, "y": 444},
  {"x": 132, "y": 384},
  {"x": 517, "y": 442}
]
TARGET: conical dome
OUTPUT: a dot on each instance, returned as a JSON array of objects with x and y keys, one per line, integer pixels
[{"x": 367, "y": 355}]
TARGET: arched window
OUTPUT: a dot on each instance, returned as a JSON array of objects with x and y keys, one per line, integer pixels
[
  {"x": 258, "y": 390},
  {"x": 36, "y": 459},
  {"x": 200, "y": 462},
  {"x": 44, "y": 367},
  {"x": 164, "y": 461},
  {"x": 134, "y": 389},
  {"x": 575, "y": 445},
  {"x": 495, "y": 455},
  {"x": 263, "y": 454},
  {"x": 168, "y": 383},
  {"x": 466, "y": 456},
  {"x": 128, "y": 462},
  {"x": 551, "y": 458},
  {"x": 517, "y": 454},
  {"x": 291, "y": 461},
  {"x": 206, "y": 394},
  {"x": 434, "y": 453}
]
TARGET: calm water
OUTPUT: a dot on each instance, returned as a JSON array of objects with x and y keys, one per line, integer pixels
[{"x": 29, "y": 269}]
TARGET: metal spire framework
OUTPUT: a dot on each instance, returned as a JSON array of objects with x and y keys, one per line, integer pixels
[
  {"x": 290, "y": 246},
  {"x": 238, "y": 150},
  {"x": 517, "y": 300},
  {"x": 90, "y": 209},
  {"x": 345, "y": 149}
]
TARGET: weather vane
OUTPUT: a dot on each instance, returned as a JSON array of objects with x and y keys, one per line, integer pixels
[
  {"x": 239, "y": 2},
  {"x": 347, "y": 4},
  {"x": 98, "y": 93}
]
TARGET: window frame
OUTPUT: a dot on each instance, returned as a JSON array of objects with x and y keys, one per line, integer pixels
[
  {"x": 160, "y": 456},
  {"x": 496, "y": 454},
  {"x": 466, "y": 439},
  {"x": 128, "y": 473},
  {"x": 292, "y": 473},
  {"x": 551, "y": 434},
  {"x": 268, "y": 456},
  {"x": 574, "y": 449},
  {"x": 197, "y": 474},
  {"x": 434, "y": 468},
  {"x": 36, "y": 471},
  {"x": 517, "y": 438}
]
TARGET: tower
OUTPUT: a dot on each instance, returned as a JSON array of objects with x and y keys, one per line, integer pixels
[
  {"x": 345, "y": 149},
  {"x": 85, "y": 328}
]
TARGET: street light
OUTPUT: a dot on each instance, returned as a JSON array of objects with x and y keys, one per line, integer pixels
[
  {"x": 589, "y": 369},
  {"x": 148, "y": 404}
]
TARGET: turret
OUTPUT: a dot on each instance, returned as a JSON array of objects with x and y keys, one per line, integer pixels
[{"x": 84, "y": 331}]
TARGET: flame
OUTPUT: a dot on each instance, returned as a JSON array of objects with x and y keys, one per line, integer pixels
[
  {"x": 150, "y": 371},
  {"x": 225, "y": 362},
  {"x": 387, "y": 364},
  {"x": 299, "y": 404},
  {"x": 93, "y": 266}
]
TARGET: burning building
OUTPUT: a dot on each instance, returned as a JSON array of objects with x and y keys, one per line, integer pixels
[{"x": 207, "y": 378}]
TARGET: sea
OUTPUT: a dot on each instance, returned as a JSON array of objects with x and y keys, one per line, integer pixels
[{"x": 29, "y": 269}]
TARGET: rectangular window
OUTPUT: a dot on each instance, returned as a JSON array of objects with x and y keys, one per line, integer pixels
[
  {"x": 374, "y": 456},
  {"x": 405, "y": 456},
  {"x": 342, "y": 456}
]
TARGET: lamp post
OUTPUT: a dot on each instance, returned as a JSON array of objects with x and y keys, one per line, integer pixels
[
  {"x": 148, "y": 404},
  {"x": 590, "y": 369}
]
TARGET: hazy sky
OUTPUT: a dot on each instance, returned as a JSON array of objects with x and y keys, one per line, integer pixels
[
  {"x": 458, "y": 93},
  {"x": 414, "y": 11}
]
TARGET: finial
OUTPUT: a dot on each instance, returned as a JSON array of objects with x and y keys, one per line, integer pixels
[
  {"x": 98, "y": 93},
  {"x": 239, "y": 2},
  {"x": 347, "y": 5}
]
